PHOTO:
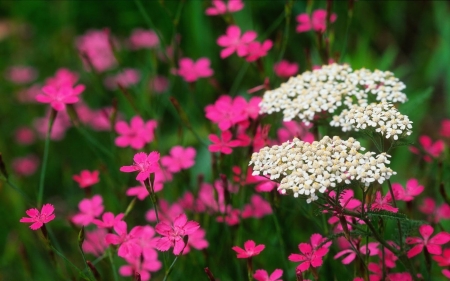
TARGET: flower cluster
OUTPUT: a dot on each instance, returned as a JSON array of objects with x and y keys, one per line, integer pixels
[
  {"x": 330, "y": 88},
  {"x": 309, "y": 167},
  {"x": 383, "y": 117}
]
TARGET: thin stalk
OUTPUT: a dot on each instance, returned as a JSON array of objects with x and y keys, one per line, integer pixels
[
  {"x": 250, "y": 269},
  {"x": 113, "y": 265}
]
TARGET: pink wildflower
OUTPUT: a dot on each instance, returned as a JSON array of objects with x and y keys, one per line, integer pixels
[
  {"x": 25, "y": 166},
  {"x": 137, "y": 134},
  {"x": 21, "y": 74},
  {"x": 433, "y": 150},
  {"x": 108, "y": 220},
  {"x": 412, "y": 189},
  {"x": 371, "y": 249},
  {"x": 159, "y": 84},
  {"x": 24, "y": 135},
  {"x": 141, "y": 266},
  {"x": 191, "y": 71},
  {"x": 86, "y": 178},
  {"x": 63, "y": 77},
  {"x": 223, "y": 145},
  {"x": 89, "y": 210},
  {"x": 145, "y": 164},
  {"x": 39, "y": 218},
  {"x": 293, "y": 129},
  {"x": 262, "y": 275},
  {"x": 285, "y": 69},
  {"x": 167, "y": 212},
  {"x": 250, "y": 250},
  {"x": 227, "y": 112},
  {"x": 317, "y": 21},
  {"x": 310, "y": 253},
  {"x": 94, "y": 242},
  {"x": 128, "y": 242},
  {"x": 383, "y": 203},
  {"x": 143, "y": 39},
  {"x": 173, "y": 235},
  {"x": 399, "y": 276},
  {"x": 233, "y": 42},
  {"x": 256, "y": 50},
  {"x": 180, "y": 159},
  {"x": 59, "y": 128},
  {"x": 258, "y": 208},
  {"x": 197, "y": 241},
  {"x": 263, "y": 184},
  {"x": 435, "y": 214},
  {"x": 219, "y": 7},
  {"x": 95, "y": 46},
  {"x": 444, "y": 259},
  {"x": 446, "y": 273},
  {"x": 433, "y": 245},
  {"x": 59, "y": 97},
  {"x": 126, "y": 78},
  {"x": 445, "y": 128}
]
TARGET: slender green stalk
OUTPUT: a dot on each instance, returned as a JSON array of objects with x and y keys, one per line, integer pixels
[
  {"x": 70, "y": 263},
  {"x": 250, "y": 269},
  {"x": 113, "y": 265}
]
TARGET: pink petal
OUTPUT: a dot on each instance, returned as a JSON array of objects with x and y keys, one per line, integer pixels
[
  {"x": 426, "y": 231},
  {"x": 415, "y": 251},
  {"x": 163, "y": 244},
  {"x": 179, "y": 245},
  {"x": 128, "y": 169},
  {"x": 36, "y": 225}
]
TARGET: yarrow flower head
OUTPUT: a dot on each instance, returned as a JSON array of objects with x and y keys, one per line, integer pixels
[
  {"x": 38, "y": 219},
  {"x": 307, "y": 168},
  {"x": 144, "y": 164},
  {"x": 331, "y": 88},
  {"x": 250, "y": 250}
]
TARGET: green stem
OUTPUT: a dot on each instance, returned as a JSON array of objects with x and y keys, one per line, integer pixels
[
  {"x": 250, "y": 269},
  {"x": 113, "y": 266}
]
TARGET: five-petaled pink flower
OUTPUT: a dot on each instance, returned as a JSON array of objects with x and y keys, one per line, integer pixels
[
  {"x": 219, "y": 7},
  {"x": 262, "y": 275},
  {"x": 317, "y": 21},
  {"x": 108, "y": 220},
  {"x": 250, "y": 250},
  {"x": 129, "y": 243},
  {"x": 89, "y": 210},
  {"x": 86, "y": 178},
  {"x": 227, "y": 111},
  {"x": 433, "y": 245},
  {"x": 223, "y": 145},
  {"x": 39, "y": 218},
  {"x": 444, "y": 259},
  {"x": 180, "y": 159},
  {"x": 59, "y": 97},
  {"x": 310, "y": 253},
  {"x": 137, "y": 134},
  {"x": 285, "y": 69},
  {"x": 432, "y": 149},
  {"x": 173, "y": 235},
  {"x": 191, "y": 71},
  {"x": 412, "y": 190},
  {"x": 256, "y": 50},
  {"x": 233, "y": 42},
  {"x": 143, "y": 39},
  {"x": 383, "y": 203},
  {"x": 145, "y": 164}
]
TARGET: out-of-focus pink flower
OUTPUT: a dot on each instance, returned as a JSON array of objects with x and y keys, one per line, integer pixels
[
  {"x": 399, "y": 276},
  {"x": 143, "y": 39},
  {"x": 129, "y": 243},
  {"x": 167, "y": 212},
  {"x": 387, "y": 256},
  {"x": 100, "y": 119},
  {"x": 435, "y": 214},
  {"x": 250, "y": 250},
  {"x": 89, "y": 210},
  {"x": 444, "y": 259},
  {"x": 285, "y": 69},
  {"x": 59, "y": 128},
  {"x": 412, "y": 190},
  {"x": 263, "y": 184},
  {"x": 433, "y": 150},
  {"x": 29, "y": 95},
  {"x": 144, "y": 164},
  {"x": 219, "y": 7},
  {"x": 317, "y": 21},
  {"x": 433, "y": 245},
  {"x": 24, "y": 135},
  {"x": 310, "y": 253},
  {"x": 173, "y": 235},
  {"x": 371, "y": 249},
  {"x": 226, "y": 111},
  {"x": 25, "y": 166},
  {"x": 256, "y": 50},
  {"x": 39, "y": 218},
  {"x": 197, "y": 241},
  {"x": 21, "y": 74},
  {"x": 294, "y": 129},
  {"x": 446, "y": 273},
  {"x": 180, "y": 159},
  {"x": 161, "y": 176},
  {"x": 257, "y": 208},
  {"x": 223, "y": 145},
  {"x": 159, "y": 84},
  {"x": 86, "y": 178},
  {"x": 59, "y": 97},
  {"x": 95, "y": 46},
  {"x": 126, "y": 78},
  {"x": 383, "y": 203},
  {"x": 192, "y": 70},
  {"x": 63, "y": 77},
  {"x": 233, "y": 42},
  {"x": 262, "y": 275},
  {"x": 445, "y": 128},
  {"x": 137, "y": 134},
  {"x": 150, "y": 263},
  {"x": 94, "y": 242},
  {"x": 108, "y": 220}
]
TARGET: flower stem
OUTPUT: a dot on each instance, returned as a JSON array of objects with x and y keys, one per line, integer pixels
[{"x": 250, "y": 269}]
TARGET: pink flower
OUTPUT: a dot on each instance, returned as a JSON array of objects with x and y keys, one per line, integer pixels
[
  {"x": 256, "y": 50},
  {"x": 285, "y": 69},
  {"x": 445, "y": 128},
  {"x": 86, "y": 178},
  {"x": 400, "y": 276},
  {"x": 433, "y": 245},
  {"x": 317, "y": 21},
  {"x": 145, "y": 164},
  {"x": 129, "y": 243},
  {"x": 250, "y": 250},
  {"x": 262, "y": 275},
  {"x": 428, "y": 207},
  {"x": 108, "y": 220},
  {"x": 126, "y": 78},
  {"x": 59, "y": 128},
  {"x": 293, "y": 129},
  {"x": 227, "y": 112},
  {"x": 371, "y": 249},
  {"x": 141, "y": 266},
  {"x": 223, "y": 145},
  {"x": 432, "y": 149},
  {"x": 310, "y": 253},
  {"x": 191, "y": 71},
  {"x": 89, "y": 210},
  {"x": 24, "y": 135},
  {"x": 94, "y": 242},
  {"x": 219, "y": 7},
  {"x": 412, "y": 189},
  {"x": 444, "y": 259},
  {"x": 446, "y": 273},
  {"x": 59, "y": 97},
  {"x": 143, "y": 39},
  {"x": 39, "y": 218},
  {"x": 21, "y": 74},
  {"x": 197, "y": 241},
  {"x": 233, "y": 42},
  {"x": 159, "y": 84},
  {"x": 179, "y": 159},
  {"x": 258, "y": 208},
  {"x": 63, "y": 77},
  {"x": 95, "y": 46},
  {"x": 25, "y": 166},
  {"x": 137, "y": 134},
  {"x": 173, "y": 235},
  {"x": 263, "y": 184},
  {"x": 383, "y": 203},
  {"x": 167, "y": 212}
]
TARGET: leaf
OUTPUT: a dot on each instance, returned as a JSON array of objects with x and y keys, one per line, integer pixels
[
  {"x": 387, "y": 215},
  {"x": 417, "y": 101}
]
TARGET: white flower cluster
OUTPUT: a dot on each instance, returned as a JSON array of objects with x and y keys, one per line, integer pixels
[
  {"x": 329, "y": 88},
  {"x": 308, "y": 168},
  {"x": 384, "y": 118}
]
